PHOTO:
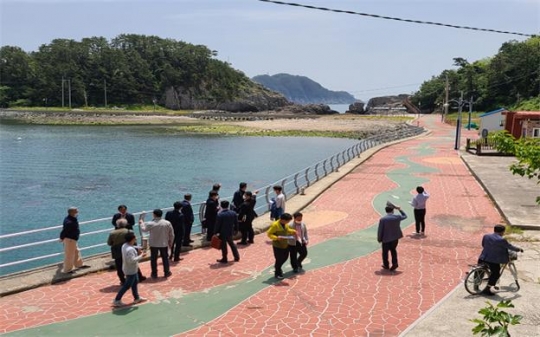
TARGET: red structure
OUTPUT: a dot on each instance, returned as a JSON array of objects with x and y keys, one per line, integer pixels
[{"x": 523, "y": 123}]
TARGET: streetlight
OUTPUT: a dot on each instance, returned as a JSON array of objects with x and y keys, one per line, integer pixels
[{"x": 458, "y": 123}]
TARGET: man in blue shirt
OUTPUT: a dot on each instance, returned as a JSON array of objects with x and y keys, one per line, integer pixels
[
  {"x": 494, "y": 252},
  {"x": 389, "y": 233}
]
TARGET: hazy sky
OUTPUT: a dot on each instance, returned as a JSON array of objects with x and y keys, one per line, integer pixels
[{"x": 364, "y": 56}]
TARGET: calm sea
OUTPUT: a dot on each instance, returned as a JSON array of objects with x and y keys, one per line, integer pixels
[{"x": 45, "y": 169}]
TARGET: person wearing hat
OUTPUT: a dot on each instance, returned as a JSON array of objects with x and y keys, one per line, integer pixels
[
  {"x": 494, "y": 253},
  {"x": 69, "y": 237}
]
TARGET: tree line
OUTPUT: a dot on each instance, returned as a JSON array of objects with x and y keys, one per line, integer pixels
[
  {"x": 127, "y": 70},
  {"x": 510, "y": 79}
]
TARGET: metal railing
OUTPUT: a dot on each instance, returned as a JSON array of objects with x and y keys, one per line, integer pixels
[{"x": 95, "y": 237}]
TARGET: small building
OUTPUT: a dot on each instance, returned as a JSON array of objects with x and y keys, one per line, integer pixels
[
  {"x": 523, "y": 123},
  {"x": 492, "y": 120}
]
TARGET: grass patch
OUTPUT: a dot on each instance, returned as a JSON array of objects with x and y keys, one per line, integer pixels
[
  {"x": 451, "y": 118},
  {"x": 236, "y": 130},
  {"x": 513, "y": 230}
]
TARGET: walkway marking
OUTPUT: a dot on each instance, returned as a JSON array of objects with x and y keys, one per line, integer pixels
[{"x": 179, "y": 312}]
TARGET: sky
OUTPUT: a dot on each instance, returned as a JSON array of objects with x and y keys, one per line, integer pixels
[{"x": 365, "y": 56}]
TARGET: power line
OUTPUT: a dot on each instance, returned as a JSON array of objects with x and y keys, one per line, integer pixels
[{"x": 396, "y": 18}]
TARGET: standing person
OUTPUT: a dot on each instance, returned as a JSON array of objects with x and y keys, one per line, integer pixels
[
  {"x": 210, "y": 214},
  {"x": 123, "y": 214},
  {"x": 176, "y": 218},
  {"x": 494, "y": 252},
  {"x": 116, "y": 240},
  {"x": 278, "y": 203},
  {"x": 238, "y": 197},
  {"x": 131, "y": 257},
  {"x": 419, "y": 205},
  {"x": 187, "y": 210},
  {"x": 389, "y": 233},
  {"x": 226, "y": 227},
  {"x": 161, "y": 238},
  {"x": 298, "y": 245},
  {"x": 69, "y": 236},
  {"x": 279, "y": 233},
  {"x": 246, "y": 215}
]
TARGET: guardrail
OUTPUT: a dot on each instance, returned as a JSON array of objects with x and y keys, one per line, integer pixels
[{"x": 94, "y": 233}]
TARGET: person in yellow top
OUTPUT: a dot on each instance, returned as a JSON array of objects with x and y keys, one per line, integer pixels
[{"x": 279, "y": 233}]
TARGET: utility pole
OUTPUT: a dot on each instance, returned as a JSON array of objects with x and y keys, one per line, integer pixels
[
  {"x": 446, "y": 104},
  {"x": 470, "y": 113},
  {"x": 105, "y": 91},
  {"x": 69, "y": 91},
  {"x": 458, "y": 124},
  {"x": 62, "y": 91}
]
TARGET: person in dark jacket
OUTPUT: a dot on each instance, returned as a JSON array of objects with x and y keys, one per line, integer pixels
[
  {"x": 246, "y": 215},
  {"x": 389, "y": 233},
  {"x": 176, "y": 218},
  {"x": 210, "y": 214},
  {"x": 123, "y": 214},
  {"x": 226, "y": 228},
  {"x": 116, "y": 240},
  {"x": 187, "y": 210},
  {"x": 69, "y": 237},
  {"x": 238, "y": 197},
  {"x": 494, "y": 252}
]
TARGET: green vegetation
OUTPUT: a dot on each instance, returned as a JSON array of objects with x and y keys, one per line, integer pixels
[
  {"x": 235, "y": 130},
  {"x": 510, "y": 79},
  {"x": 129, "y": 71},
  {"x": 527, "y": 152},
  {"x": 495, "y": 322}
]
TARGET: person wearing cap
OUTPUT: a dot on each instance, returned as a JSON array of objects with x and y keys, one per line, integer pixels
[
  {"x": 419, "y": 205},
  {"x": 494, "y": 253},
  {"x": 388, "y": 234},
  {"x": 69, "y": 237}
]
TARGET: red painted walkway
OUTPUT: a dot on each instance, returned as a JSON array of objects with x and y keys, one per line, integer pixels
[{"x": 352, "y": 298}]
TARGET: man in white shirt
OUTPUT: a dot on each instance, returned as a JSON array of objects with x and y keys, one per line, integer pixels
[
  {"x": 419, "y": 205},
  {"x": 130, "y": 266},
  {"x": 279, "y": 203},
  {"x": 161, "y": 239}
]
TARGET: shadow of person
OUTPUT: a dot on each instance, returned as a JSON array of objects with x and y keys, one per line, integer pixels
[
  {"x": 110, "y": 289},
  {"x": 386, "y": 272},
  {"x": 125, "y": 310}
]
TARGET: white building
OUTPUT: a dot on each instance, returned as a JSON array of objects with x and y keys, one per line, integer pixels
[{"x": 492, "y": 120}]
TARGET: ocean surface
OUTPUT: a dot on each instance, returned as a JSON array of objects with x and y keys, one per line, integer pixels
[{"x": 46, "y": 169}]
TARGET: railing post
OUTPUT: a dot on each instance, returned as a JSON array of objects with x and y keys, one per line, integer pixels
[
  {"x": 267, "y": 196},
  {"x": 324, "y": 167},
  {"x": 331, "y": 163},
  {"x": 283, "y": 186},
  {"x": 307, "y": 178},
  {"x": 317, "y": 173},
  {"x": 296, "y": 183}
]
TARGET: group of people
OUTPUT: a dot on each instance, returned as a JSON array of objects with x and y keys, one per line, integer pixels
[{"x": 287, "y": 232}]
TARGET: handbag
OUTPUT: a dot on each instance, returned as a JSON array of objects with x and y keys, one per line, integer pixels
[{"x": 215, "y": 242}]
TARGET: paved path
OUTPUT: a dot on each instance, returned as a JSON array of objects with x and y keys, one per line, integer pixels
[{"x": 343, "y": 293}]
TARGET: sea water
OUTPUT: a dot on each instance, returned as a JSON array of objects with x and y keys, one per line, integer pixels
[{"x": 46, "y": 169}]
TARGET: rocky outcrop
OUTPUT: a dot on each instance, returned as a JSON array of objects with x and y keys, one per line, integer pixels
[
  {"x": 387, "y": 104},
  {"x": 356, "y": 108},
  {"x": 307, "y": 109},
  {"x": 303, "y": 90},
  {"x": 252, "y": 98}
]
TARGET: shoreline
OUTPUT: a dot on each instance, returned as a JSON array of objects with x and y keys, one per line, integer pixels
[{"x": 220, "y": 123}]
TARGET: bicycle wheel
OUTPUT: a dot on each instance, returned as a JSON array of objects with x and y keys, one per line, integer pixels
[
  {"x": 514, "y": 286},
  {"x": 477, "y": 280}
]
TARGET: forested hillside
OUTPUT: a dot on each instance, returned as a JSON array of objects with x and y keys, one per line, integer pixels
[
  {"x": 510, "y": 79},
  {"x": 129, "y": 69},
  {"x": 303, "y": 90}
]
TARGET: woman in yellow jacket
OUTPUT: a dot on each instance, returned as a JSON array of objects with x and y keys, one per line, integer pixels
[{"x": 279, "y": 233}]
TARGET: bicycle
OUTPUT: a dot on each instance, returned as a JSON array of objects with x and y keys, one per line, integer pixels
[{"x": 478, "y": 276}]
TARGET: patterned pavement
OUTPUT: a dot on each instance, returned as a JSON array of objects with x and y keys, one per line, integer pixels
[{"x": 343, "y": 292}]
